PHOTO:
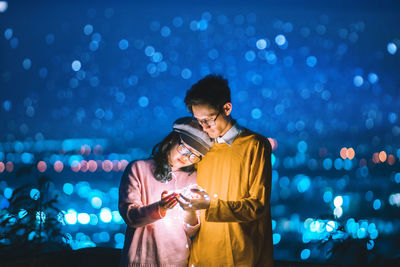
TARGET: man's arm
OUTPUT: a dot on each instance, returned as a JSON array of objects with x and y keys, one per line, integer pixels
[{"x": 253, "y": 206}]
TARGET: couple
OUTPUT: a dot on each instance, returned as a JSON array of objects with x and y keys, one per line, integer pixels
[{"x": 225, "y": 222}]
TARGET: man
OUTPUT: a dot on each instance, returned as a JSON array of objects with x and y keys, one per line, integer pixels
[{"x": 236, "y": 176}]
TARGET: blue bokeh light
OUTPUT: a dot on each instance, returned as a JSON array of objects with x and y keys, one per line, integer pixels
[
  {"x": 105, "y": 215},
  {"x": 373, "y": 78},
  {"x": 14, "y": 42},
  {"x": 302, "y": 146},
  {"x": 27, "y": 63},
  {"x": 88, "y": 29},
  {"x": 276, "y": 238},
  {"x": 377, "y": 204},
  {"x": 68, "y": 188},
  {"x": 256, "y": 113},
  {"x": 34, "y": 194},
  {"x": 311, "y": 61},
  {"x": 280, "y": 39},
  {"x": 119, "y": 237},
  {"x": 71, "y": 217},
  {"x": 7, "y": 105},
  {"x": 149, "y": 51},
  {"x": 262, "y": 44},
  {"x": 123, "y": 44},
  {"x": 305, "y": 254},
  {"x": 8, "y": 33},
  {"x": 392, "y": 48},
  {"x": 8, "y": 193},
  {"x": 327, "y": 196},
  {"x": 83, "y": 218},
  {"x": 50, "y": 39},
  {"x": 250, "y": 55},
  {"x": 358, "y": 81},
  {"x": 143, "y": 101},
  {"x": 76, "y": 65},
  {"x": 96, "y": 202}
]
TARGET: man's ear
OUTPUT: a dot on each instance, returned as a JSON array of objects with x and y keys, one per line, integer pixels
[{"x": 227, "y": 108}]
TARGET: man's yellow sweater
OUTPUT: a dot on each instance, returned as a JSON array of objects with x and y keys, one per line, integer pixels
[{"x": 236, "y": 229}]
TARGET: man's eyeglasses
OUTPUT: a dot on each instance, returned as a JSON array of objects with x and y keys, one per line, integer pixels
[
  {"x": 209, "y": 122},
  {"x": 184, "y": 151}
]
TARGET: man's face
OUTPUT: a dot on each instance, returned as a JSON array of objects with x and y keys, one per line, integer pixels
[{"x": 215, "y": 123}]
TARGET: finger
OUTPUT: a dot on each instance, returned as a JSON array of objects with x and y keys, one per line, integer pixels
[
  {"x": 198, "y": 191},
  {"x": 166, "y": 198},
  {"x": 183, "y": 204},
  {"x": 164, "y": 201},
  {"x": 164, "y": 193},
  {"x": 173, "y": 200},
  {"x": 185, "y": 198},
  {"x": 170, "y": 205}
]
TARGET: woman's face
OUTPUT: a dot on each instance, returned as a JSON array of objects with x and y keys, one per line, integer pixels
[{"x": 180, "y": 154}]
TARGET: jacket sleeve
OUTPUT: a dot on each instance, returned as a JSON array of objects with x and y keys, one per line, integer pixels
[
  {"x": 257, "y": 202},
  {"x": 130, "y": 205}
]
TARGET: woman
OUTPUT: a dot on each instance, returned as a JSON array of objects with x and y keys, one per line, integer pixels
[{"x": 158, "y": 232}]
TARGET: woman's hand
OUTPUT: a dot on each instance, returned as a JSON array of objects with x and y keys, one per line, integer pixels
[{"x": 167, "y": 202}]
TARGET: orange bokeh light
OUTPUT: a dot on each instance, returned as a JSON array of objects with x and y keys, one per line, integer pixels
[
  {"x": 124, "y": 163},
  {"x": 343, "y": 153},
  {"x": 375, "y": 157},
  {"x": 350, "y": 153},
  {"x": 42, "y": 166},
  {"x": 2, "y": 167},
  {"x": 107, "y": 165},
  {"x": 116, "y": 165},
  {"x": 391, "y": 159},
  {"x": 382, "y": 156},
  {"x": 84, "y": 166},
  {"x": 9, "y": 166},
  {"x": 58, "y": 166},
  {"x": 75, "y": 166},
  {"x": 273, "y": 142},
  {"x": 92, "y": 165},
  {"x": 85, "y": 149}
]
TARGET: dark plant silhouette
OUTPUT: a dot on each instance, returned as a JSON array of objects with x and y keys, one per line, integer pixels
[
  {"x": 342, "y": 248},
  {"x": 32, "y": 223}
]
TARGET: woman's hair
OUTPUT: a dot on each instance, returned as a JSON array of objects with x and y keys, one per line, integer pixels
[{"x": 160, "y": 154}]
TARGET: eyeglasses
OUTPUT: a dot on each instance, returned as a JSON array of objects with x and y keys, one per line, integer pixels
[
  {"x": 184, "y": 151},
  {"x": 209, "y": 122}
]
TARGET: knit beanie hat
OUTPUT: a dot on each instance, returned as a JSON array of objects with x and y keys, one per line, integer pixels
[{"x": 193, "y": 135}]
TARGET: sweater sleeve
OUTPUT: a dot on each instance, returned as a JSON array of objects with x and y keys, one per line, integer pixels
[
  {"x": 259, "y": 179},
  {"x": 191, "y": 230},
  {"x": 130, "y": 205}
]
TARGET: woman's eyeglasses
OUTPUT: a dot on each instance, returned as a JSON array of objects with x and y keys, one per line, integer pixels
[{"x": 184, "y": 151}]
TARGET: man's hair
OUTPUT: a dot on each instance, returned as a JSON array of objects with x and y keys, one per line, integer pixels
[{"x": 212, "y": 90}]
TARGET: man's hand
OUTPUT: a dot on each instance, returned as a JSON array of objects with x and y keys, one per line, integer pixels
[
  {"x": 200, "y": 203},
  {"x": 167, "y": 202}
]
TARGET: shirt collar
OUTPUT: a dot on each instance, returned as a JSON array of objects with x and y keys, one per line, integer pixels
[{"x": 230, "y": 135}]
